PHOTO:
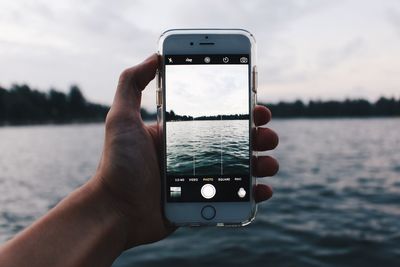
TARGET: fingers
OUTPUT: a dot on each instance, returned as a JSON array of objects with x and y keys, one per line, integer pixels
[
  {"x": 265, "y": 166},
  {"x": 262, "y": 192},
  {"x": 262, "y": 115},
  {"x": 133, "y": 80},
  {"x": 264, "y": 139}
]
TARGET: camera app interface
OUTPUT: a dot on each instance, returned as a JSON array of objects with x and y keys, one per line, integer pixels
[{"x": 207, "y": 128}]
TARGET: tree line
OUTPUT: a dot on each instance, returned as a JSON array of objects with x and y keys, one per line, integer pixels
[
  {"x": 21, "y": 104},
  {"x": 383, "y": 107}
]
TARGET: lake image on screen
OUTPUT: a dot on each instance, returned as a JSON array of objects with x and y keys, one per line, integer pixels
[
  {"x": 208, "y": 147},
  {"x": 207, "y": 119}
]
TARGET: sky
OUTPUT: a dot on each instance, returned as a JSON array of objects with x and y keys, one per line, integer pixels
[
  {"x": 207, "y": 90},
  {"x": 307, "y": 49}
]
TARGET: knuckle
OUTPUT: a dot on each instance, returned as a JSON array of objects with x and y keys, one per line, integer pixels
[
  {"x": 125, "y": 76},
  {"x": 128, "y": 77},
  {"x": 119, "y": 120}
]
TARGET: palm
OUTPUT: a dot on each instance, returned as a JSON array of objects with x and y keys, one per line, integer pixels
[{"x": 130, "y": 169}]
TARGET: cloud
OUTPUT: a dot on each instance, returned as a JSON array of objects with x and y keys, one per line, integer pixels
[
  {"x": 47, "y": 44},
  {"x": 393, "y": 17},
  {"x": 301, "y": 44},
  {"x": 329, "y": 58}
]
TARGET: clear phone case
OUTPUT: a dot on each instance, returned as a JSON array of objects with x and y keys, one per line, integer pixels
[{"x": 160, "y": 94}]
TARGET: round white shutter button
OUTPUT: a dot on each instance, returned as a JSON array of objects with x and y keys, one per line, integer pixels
[{"x": 208, "y": 191}]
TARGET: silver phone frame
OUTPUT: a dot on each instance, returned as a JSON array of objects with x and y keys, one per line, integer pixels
[{"x": 240, "y": 42}]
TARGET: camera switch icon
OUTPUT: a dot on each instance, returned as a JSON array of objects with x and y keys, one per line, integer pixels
[{"x": 241, "y": 192}]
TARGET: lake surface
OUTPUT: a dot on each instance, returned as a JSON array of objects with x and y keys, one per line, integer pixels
[
  {"x": 208, "y": 147},
  {"x": 336, "y": 201}
]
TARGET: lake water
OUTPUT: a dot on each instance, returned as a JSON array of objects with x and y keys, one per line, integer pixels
[
  {"x": 208, "y": 147},
  {"x": 336, "y": 202}
]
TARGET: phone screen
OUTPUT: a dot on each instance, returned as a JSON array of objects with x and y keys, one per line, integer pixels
[{"x": 207, "y": 128}]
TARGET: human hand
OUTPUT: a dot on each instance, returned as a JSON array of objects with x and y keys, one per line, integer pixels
[
  {"x": 120, "y": 206},
  {"x": 129, "y": 167}
]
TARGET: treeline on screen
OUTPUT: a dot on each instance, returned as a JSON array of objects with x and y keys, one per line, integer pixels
[
  {"x": 21, "y": 104},
  {"x": 171, "y": 116}
]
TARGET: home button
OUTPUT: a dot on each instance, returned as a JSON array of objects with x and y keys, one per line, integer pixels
[{"x": 208, "y": 212}]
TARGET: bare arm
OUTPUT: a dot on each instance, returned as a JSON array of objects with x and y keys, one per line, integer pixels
[{"x": 82, "y": 230}]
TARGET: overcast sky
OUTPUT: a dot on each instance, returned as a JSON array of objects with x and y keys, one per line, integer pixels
[
  {"x": 306, "y": 49},
  {"x": 207, "y": 90}
]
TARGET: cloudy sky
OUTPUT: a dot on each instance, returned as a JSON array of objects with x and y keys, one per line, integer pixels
[
  {"x": 207, "y": 90},
  {"x": 306, "y": 49}
]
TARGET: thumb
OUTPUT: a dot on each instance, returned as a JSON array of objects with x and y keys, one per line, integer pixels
[{"x": 131, "y": 83}]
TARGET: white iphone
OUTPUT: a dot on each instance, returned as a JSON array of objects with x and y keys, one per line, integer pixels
[{"x": 205, "y": 97}]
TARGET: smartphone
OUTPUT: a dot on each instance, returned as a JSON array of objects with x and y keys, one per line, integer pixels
[{"x": 206, "y": 93}]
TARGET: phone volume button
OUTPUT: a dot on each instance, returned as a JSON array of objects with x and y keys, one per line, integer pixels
[
  {"x": 158, "y": 74},
  {"x": 158, "y": 90},
  {"x": 158, "y": 97},
  {"x": 255, "y": 79}
]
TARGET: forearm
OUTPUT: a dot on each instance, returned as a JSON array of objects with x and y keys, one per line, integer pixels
[{"x": 82, "y": 230}]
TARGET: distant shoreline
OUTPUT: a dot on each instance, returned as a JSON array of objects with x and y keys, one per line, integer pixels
[
  {"x": 350, "y": 108},
  {"x": 154, "y": 121},
  {"x": 50, "y": 123},
  {"x": 22, "y": 105}
]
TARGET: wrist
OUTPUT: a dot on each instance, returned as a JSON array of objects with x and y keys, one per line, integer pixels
[
  {"x": 140, "y": 220},
  {"x": 104, "y": 210}
]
